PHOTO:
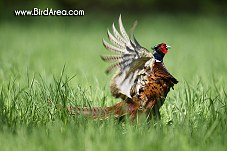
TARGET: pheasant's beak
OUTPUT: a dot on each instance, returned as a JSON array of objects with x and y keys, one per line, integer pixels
[{"x": 168, "y": 47}]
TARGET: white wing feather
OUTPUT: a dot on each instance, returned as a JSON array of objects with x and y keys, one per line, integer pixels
[{"x": 130, "y": 58}]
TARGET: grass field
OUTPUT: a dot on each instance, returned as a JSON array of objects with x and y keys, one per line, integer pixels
[{"x": 49, "y": 62}]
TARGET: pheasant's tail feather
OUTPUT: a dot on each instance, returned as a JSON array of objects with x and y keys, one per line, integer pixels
[
  {"x": 99, "y": 112},
  {"x": 95, "y": 112}
]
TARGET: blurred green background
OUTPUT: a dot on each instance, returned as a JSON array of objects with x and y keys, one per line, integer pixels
[
  {"x": 195, "y": 29},
  {"x": 34, "y": 50},
  {"x": 42, "y": 45}
]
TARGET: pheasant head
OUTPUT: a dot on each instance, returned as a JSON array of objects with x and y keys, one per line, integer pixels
[{"x": 160, "y": 50}]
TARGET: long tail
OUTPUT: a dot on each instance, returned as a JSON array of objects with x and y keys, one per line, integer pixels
[{"x": 118, "y": 110}]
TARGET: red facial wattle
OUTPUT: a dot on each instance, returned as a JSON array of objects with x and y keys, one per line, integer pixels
[{"x": 164, "y": 50}]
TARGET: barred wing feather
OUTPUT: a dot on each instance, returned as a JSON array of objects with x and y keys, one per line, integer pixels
[{"x": 129, "y": 58}]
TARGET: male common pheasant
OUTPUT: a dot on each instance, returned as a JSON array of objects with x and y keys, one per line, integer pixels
[{"x": 141, "y": 81}]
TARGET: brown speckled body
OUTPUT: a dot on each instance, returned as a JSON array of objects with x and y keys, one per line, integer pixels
[{"x": 152, "y": 94}]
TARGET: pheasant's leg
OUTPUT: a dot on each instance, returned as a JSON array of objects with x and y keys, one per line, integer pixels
[
  {"x": 153, "y": 110},
  {"x": 157, "y": 115}
]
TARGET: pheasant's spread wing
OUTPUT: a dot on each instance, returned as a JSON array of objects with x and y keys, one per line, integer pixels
[{"x": 129, "y": 59}]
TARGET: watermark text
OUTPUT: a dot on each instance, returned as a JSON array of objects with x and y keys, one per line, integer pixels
[{"x": 49, "y": 12}]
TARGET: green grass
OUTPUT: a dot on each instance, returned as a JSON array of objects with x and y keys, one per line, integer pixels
[{"x": 47, "y": 63}]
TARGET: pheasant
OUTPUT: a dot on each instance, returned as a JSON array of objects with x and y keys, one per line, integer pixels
[{"x": 141, "y": 81}]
